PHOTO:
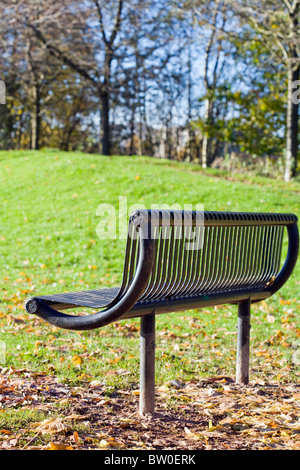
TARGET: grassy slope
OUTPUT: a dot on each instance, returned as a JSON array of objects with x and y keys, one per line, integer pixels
[{"x": 48, "y": 243}]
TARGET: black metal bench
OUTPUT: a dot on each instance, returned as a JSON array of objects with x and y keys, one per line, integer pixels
[{"x": 179, "y": 260}]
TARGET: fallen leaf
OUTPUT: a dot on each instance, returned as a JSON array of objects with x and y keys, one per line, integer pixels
[
  {"x": 193, "y": 435},
  {"x": 52, "y": 425},
  {"x": 84, "y": 377},
  {"x": 53, "y": 446},
  {"x": 211, "y": 427},
  {"x": 111, "y": 443},
  {"x": 5, "y": 431},
  {"x": 115, "y": 360},
  {"x": 176, "y": 383},
  {"x": 77, "y": 360},
  {"x": 75, "y": 417}
]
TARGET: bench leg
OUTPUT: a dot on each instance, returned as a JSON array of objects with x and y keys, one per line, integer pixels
[
  {"x": 243, "y": 342},
  {"x": 147, "y": 364}
]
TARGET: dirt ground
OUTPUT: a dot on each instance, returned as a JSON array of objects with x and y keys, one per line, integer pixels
[{"x": 211, "y": 414}]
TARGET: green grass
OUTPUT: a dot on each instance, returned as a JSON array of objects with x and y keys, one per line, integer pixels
[{"x": 49, "y": 243}]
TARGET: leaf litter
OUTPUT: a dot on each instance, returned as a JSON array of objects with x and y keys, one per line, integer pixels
[{"x": 205, "y": 414}]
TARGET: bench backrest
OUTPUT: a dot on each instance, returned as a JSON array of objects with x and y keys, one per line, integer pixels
[{"x": 208, "y": 252}]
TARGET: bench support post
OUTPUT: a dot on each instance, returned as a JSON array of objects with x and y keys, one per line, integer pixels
[
  {"x": 147, "y": 364},
  {"x": 243, "y": 342}
]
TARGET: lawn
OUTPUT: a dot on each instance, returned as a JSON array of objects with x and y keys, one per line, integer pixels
[{"x": 50, "y": 218}]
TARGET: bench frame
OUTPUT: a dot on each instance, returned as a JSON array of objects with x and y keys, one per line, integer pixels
[{"x": 128, "y": 306}]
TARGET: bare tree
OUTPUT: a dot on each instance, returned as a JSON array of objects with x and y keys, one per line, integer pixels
[
  {"x": 76, "y": 35},
  {"x": 38, "y": 76},
  {"x": 90, "y": 38},
  {"x": 82, "y": 57},
  {"x": 209, "y": 22},
  {"x": 274, "y": 23},
  {"x": 277, "y": 25},
  {"x": 213, "y": 51}
]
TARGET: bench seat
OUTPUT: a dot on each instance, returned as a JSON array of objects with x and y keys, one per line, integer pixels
[{"x": 93, "y": 298}]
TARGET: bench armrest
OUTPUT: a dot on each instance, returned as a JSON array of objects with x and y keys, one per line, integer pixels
[
  {"x": 290, "y": 261},
  {"x": 123, "y": 305}
]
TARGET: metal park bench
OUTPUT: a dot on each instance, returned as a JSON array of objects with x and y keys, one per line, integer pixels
[{"x": 180, "y": 260}]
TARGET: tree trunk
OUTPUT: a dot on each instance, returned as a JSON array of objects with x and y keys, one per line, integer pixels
[
  {"x": 291, "y": 124},
  {"x": 2, "y": 92},
  {"x": 105, "y": 103},
  {"x": 205, "y": 141},
  {"x": 204, "y": 151},
  {"x": 132, "y": 149},
  {"x": 36, "y": 119},
  {"x": 68, "y": 131},
  {"x": 105, "y": 127}
]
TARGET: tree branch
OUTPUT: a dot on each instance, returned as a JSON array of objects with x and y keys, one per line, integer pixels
[
  {"x": 117, "y": 23},
  {"x": 109, "y": 42},
  {"x": 56, "y": 52},
  {"x": 101, "y": 21},
  {"x": 288, "y": 5}
]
